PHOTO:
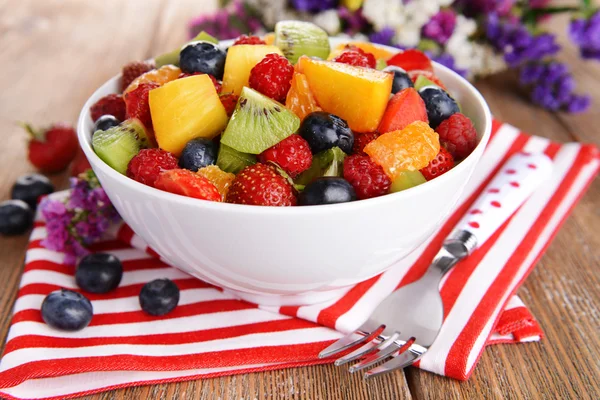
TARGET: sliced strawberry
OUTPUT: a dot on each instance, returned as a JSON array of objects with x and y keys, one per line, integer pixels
[
  {"x": 410, "y": 60},
  {"x": 402, "y": 110}
]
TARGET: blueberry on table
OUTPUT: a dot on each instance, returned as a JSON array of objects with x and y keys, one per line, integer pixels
[
  {"x": 327, "y": 190},
  {"x": 105, "y": 122},
  {"x": 15, "y": 217},
  {"x": 99, "y": 273},
  {"x": 439, "y": 104},
  {"x": 204, "y": 57},
  {"x": 401, "y": 79},
  {"x": 30, "y": 188},
  {"x": 323, "y": 131},
  {"x": 159, "y": 297},
  {"x": 198, "y": 153},
  {"x": 67, "y": 310}
]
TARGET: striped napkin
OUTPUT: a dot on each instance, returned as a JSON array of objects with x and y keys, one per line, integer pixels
[{"x": 211, "y": 333}]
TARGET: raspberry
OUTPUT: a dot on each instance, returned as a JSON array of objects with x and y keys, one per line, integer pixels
[
  {"x": 357, "y": 57},
  {"x": 458, "y": 135},
  {"x": 363, "y": 139},
  {"x": 292, "y": 154},
  {"x": 441, "y": 164},
  {"x": 367, "y": 178},
  {"x": 187, "y": 183},
  {"x": 229, "y": 100},
  {"x": 137, "y": 104},
  {"x": 272, "y": 76},
  {"x": 212, "y": 78},
  {"x": 244, "y": 39},
  {"x": 148, "y": 164},
  {"x": 261, "y": 185},
  {"x": 133, "y": 70},
  {"x": 112, "y": 104}
]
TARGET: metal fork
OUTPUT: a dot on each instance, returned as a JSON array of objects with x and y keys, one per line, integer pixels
[{"x": 405, "y": 325}]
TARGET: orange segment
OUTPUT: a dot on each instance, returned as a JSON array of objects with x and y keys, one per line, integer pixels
[
  {"x": 411, "y": 148},
  {"x": 221, "y": 179},
  {"x": 379, "y": 52},
  {"x": 164, "y": 74},
  {"x": 300, "y": 99}
]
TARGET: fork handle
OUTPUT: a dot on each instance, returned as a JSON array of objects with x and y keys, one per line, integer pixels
[{"x": 511, "y": 186}]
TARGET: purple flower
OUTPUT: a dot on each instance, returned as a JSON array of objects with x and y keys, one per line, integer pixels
[
  {"x": 353, "y": 21},
  {"x": 441, "y": 26},
  {"x": 473, "y": 7},
  {"x": 313, "y": 6},
  {"x": 384, "y": 36},
  {"x": 585, "y": 33},
  {"x": 227, "y": 23}
]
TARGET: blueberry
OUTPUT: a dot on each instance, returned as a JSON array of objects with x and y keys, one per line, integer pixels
[
  {"x": 439, "y": 104},
  {"x": 15, "y": 217},
  {"x": 105, "y": 122},
  {"x": 401, "y": 79},
  {"x": 67, "y": 310},
  {"x": 202, "y": 57},
  {"x": 30, "y": 188},
  {"x": 323, "y": 131},
  {"x": 159, "y": 297},
  {"x": 327, "y": 190},
  {"x": 99, "y": 273},
  {"x": 198, "y": 153}
]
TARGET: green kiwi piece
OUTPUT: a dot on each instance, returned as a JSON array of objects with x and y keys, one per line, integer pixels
[
  {"x": 258, "y": 123},
  {"x": 381, "y": 64},
  {"x": 329, "y": 162},
  {"x": 172, "y": 57},
  {"x": 119, "y": 144},
  {"x": 406, "y": 180},
  {"x": 298, "y": 38},
  {"x": 231, "y": 160},
  {"x": 422, "y": 82}
]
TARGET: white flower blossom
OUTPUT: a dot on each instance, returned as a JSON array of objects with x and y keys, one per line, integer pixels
[
  {"x": 329, "y": 20},
  {"x": 384, "y": 13}
]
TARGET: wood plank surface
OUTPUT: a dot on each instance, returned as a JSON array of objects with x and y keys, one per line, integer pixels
[{"x": 55, "y": 53}]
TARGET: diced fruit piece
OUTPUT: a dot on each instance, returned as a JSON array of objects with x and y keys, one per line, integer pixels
[
  {"x": 67, "y": 310},
  {"x": 99, "y": 273},
  {"x": 231, "y": 160},
  {"x": 323, "y": 131},
  {"x": 356, "y": 57},
  {"x": 291, "y": 154},
  {"x": 414, "y": 75},
  {"x": 401, "y": 79},
  {"x": 221, "y": 179},
  {"x": 204, "y": 57},
  {"x": 30, "y": 188},
  {"x": 368, "y": 179},
  {"x": 245, "y": 39},
  {"x": 458, "y": 135},
  {"x": 112, "y": 104},
  {"x": 298, "y": 38},
  {"x": 272, "y": 76},
  {"x": 137, "y": 103},
  {"x": 15, "y": 217},
  {"x": 258, "y": 123},
  {"x": 439, "y": 104},
  {"x": 240, "y": 61},
  {"x": 379, "y": 52},
  {"x": 355, "y": 94},
  {"x": 172, "y": 57},
  {"x": 105, "y": 122},
  {"x": 159, "y": 297},
  {"x": 187, "y": 183},
  {"x": 261, "y": 185},
  {"x": 212, "y": 78},
  {"x": 229, "y": 100},
  {"x": 270, "y": 39},
  {"x": 441, "y": 164},
  {"x": 411, "y": 59},
  {"x": 363, "y": 139},
  {"x": 327, "y": 190},
  {"x": 164, "y": 74},
  {"x": 381, "y": 65},
  {"x": 408, "y": 149},
  {"x": 186, "y": 109},
  {"x": 300, "y": 98},
  {"x": 406, "y": 180},
  {"x": 403, "y": 109},
  {"x": 148, "y": 164},
  {"x": 132, "y": 70},
  {"x": 327, "y": 163},
  {"x": 422, "y": 82},
  {"x": 118, "y": 145},
  {"x": 198, "y": 153}
]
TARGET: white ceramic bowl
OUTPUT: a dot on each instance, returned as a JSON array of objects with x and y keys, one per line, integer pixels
[{"x": 289, "y": 255}]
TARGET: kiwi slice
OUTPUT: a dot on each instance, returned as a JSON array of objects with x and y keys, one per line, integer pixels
[
  {"x": 298, "y": 38},
  {"x": 422, "y": 82},
  {"x": 381, "y": 64},
  {"x": 329, "y": 162},
  {"x": 258, "y": 123},
  {"x": 119, "y": 144},
  {"x": 406, "y": 180},
  {"x": 172, "y": 57},
  {"x": 231, "y": 160}
]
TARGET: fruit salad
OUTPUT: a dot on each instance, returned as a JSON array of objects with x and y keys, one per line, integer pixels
[{"x": 289, "y": 123}]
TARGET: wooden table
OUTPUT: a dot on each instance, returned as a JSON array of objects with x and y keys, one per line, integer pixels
[{"x": 55, "y": 53}]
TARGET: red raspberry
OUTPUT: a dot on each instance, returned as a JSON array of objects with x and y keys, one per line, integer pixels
[
  {"x": 229, "y": 101},
  {"x": 441, "y": 164},
  {"x": 367, "y": 178},
  {"x": 458, "y": 135},
  {"x": 292, "y": 154},
  {"x": 137, "y": 104},
  {"x": 133, "y": 70},
  {"x": 363, "y": 139},
  {"x": 357, "y": 57},
  {"x": 187, "y": 183},
  {"x": 113, "y": 104},
  {"x": 212, "y": 78},
  {"x": 245, "y": 39},
  {"x": 272, "y": 76},
  {"x": 148, "y": 164},
  {"x": 261, "y": 185}
]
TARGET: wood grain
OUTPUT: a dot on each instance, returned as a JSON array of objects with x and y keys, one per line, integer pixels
[{"x": 55, "y": 53}]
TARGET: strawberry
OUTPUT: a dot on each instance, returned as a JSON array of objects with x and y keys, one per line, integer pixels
[
  {"x": 111, "y": 104},
  {"x": 410, "y": 60},
  {"x": 133, "y": 70},
  {"x": 137, "y": 104},
  {"x": 261, "y": 185},
  {"x": 80, "y": 163},
  {"x": 52, "y": 149},
  {"x": 403, "y": 109},
  {"x": 186, "y": 183},
  {"x": 441, "y": 164}
]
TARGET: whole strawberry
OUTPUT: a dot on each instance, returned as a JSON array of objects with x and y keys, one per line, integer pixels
[
  {"x": 441, "y": 164},
  {"x": 458, "y": 135},
  {"x": 137, "y": 104},
  {"x": 292, "y": 154},
  {"x": 245, "y": 39},
  {"x": 148, "y": 164},
  {"x": 187, "y": 183},
  {"x": 261, "y": 185},
  {"x": 52, "y": 149},
  {"x": 132, "y": 70},
  {"x": 363, "y": 139},
  {"x": 272, "y": 76},
  {"x": 367, "y": 178},
  {"x": 357, "y": 57},
  {"x": 111, "y": 104}
]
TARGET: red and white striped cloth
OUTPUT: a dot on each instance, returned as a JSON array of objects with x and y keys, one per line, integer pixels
[{"x": 211, "y": 333}]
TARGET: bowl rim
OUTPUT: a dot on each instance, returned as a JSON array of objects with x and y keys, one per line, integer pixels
[{"x": 84, "y": 138}]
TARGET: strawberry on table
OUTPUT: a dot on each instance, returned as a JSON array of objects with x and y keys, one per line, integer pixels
[
  {"x": 112, "y": 104},
  {"x": 441, "y": 164},
  {"x": 52, "y": 149},
  {"x": 187, "y": 183},
  {"x": 410, "y": 60},
  {"x": 132, "y": 70},
  {"x": 80, "y": 163},
  {"x": 261, "y": 185}
]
